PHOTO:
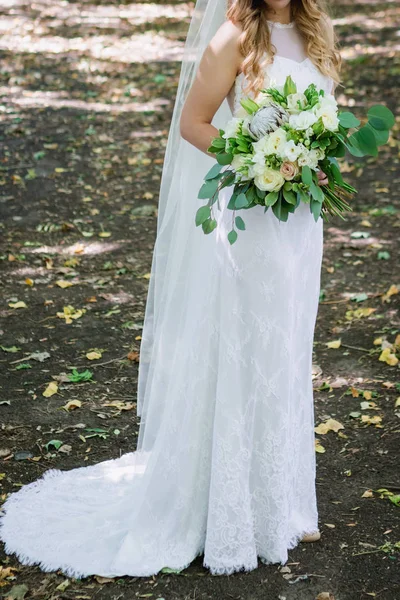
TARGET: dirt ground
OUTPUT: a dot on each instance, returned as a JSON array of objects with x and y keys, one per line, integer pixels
[{"x": 87, "y": 92}]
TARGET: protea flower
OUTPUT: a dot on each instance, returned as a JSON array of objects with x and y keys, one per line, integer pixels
[{"x": 266, "y": 120}]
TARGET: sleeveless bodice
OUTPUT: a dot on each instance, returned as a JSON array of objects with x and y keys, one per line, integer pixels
[{"x": 290, "y": 59}]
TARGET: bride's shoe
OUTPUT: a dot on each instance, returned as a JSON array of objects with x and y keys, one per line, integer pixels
[{"x": 311, "y": 537}]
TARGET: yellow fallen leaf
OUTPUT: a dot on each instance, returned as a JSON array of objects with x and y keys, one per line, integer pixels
[
  {"x": 388, "y": 357},
  {"x": 93, "y": 355},
  {"x": 366, "y": 223},
  {"x": 376, "y": 419},
  {"x": 358, "y": 313},
  {"x": 369, "y": 405},
  {"x": 64, "y": 284},
  {"x": 52, "y": 388},
  {"x": 367, "y": 395},
  {"x": 330, "y": 525},
  {"x": 329, "y": 425},
  {"x": 397, "y": 403},
  {"x": 59, "y": 170},
  {"x": 378, "y": 341},
  {"x": 19, "y": 304},
  {"x": 335, "y": 344},
  {"x": 367, "y": 494},
  {"x": 397, "y": 341},
  {"x": 69, "y": 313},
  {"x": 72, "y": 404},
  {"x": 391, "y": 292},
  {"x": 71, "y": 262},
  {"x": 29, "y": 281},
  {"x": 146, "y": 276},
  {"x": 319, "y": 447},
  {"x": 104, "y": 234}
]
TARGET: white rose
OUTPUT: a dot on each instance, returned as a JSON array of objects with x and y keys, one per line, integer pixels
[
  {"x": 232, "y": 128},
  {"x": 270, "y": 180},
  {"x": 303, "y": 120},
  {"x": 291, "y": 151},
  {"x": 238, "y": 162},
  {"x": 259, "y": 165},
  {"x": 272, "y": 143},
  {"x": 292, "y": 102},
  {"x": 310, "y": 157},
  {"x": 329, "y": 117}
]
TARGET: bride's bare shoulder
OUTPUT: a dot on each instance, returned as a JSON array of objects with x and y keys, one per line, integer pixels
[{"x": 227, "y": 35}]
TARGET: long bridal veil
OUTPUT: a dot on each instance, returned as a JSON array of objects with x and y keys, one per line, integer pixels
[{"x": 183, "y": 171}]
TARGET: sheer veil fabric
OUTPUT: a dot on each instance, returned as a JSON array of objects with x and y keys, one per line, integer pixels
[{"x": 225, "y": 461}]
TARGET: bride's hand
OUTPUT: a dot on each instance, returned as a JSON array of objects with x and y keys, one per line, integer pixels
[{"x": 322, "y": 178}]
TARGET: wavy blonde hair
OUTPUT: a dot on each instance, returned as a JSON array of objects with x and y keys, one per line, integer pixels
[{"x": 312, "y": 21}]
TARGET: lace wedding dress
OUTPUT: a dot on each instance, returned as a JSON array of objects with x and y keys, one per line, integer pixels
[{"x": 227, "y": 460}]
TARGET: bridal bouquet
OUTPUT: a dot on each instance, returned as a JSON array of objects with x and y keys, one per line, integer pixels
[{"x": 272, "y": 149}]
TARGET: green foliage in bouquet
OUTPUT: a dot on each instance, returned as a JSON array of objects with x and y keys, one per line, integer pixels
[{"x": 307, "y": 132}]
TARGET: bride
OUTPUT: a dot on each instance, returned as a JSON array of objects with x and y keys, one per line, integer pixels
[{"x": 225, "y": 460}]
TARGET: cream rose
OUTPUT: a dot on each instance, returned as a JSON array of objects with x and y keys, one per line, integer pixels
[
  {"x": 269, "y": 181},
  {"x": 289, "y": 170}
]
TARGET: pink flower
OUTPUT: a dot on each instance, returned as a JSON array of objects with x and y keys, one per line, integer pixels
[{"x": 289, "y": 170}]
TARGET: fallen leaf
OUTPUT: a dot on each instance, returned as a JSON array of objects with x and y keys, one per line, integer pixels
[
  {"x": 52, "y": 388},
  {"x": 358, "y": 313},
  {"x": 329, "y": 425},
  {"x": 63, "y": 585},
  {"x": 93, "y": 355},
  {"x": 388, "y": 357},
  {"x": 335, "y": 344},
  {"x": 376, "y": 419},
  {"x": 367, "y": 494},
  {"x": 391, "y": 292},
  {"x": 325, "y": 596},
  {"x": 19, "y": 304},
  {"x": 72, "y": 404},
  {"x": 318, "y": 447},
  {"x": 64, "y": 284},
  {"x": 330, "y": 525}
]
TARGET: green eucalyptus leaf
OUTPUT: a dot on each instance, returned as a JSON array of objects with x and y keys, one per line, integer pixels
[
  {"x": 209, "y": 225},
  {"x": 366, "y": 141},
  {"x": 202, "y": 215},
  {"x": 381, "y": 136},
  {"x": 224, "y": 158},
  {"x": 208, "y": 189},
  {"x": 383, "y": 113},
  {"x": 240, "y": 223},
  {"x": 232, "y": 236},
  {"x": 213, "y": 172},
  {"x": 347, "y": 120},
  {"x": 241, "y": 201}
]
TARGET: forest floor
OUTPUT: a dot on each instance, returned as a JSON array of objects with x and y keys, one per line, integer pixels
[{"x": 87, "y": 91}]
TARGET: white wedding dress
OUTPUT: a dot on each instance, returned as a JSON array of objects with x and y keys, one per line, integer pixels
[{"x": 227, "y": 460}]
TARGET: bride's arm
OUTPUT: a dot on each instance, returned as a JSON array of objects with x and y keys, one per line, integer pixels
[{"x": 216, "y": 74}]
